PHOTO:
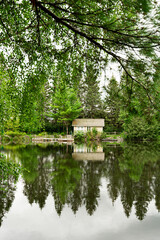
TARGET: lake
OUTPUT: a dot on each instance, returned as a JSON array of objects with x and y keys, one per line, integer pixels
[{"x": 73, "y": 192}]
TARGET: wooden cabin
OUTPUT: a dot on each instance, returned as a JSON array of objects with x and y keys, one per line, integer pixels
[{"x": 88, "y": 124}]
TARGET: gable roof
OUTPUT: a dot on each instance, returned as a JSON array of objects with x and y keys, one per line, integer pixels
[{"x": 88, "y": 122}]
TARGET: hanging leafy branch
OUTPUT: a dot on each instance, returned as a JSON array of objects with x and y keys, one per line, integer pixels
[{"x": 75, "y": 31}]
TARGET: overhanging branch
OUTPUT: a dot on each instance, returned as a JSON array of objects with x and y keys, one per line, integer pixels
[{"x": 92, "y": 41}]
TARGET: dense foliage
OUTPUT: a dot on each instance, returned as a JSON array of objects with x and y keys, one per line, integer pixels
[
  {"x": 45, "y": 46},
  {"x": 7, "y": 169},
  {"x": 138, "y": 129},
  {"x": 89, "y": 136},
  {"x": 65, "y": 105},
  {"x": 129, "y": 109},
  {"x": 39, "y": 37}
]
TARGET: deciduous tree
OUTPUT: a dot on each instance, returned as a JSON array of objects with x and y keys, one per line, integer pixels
[{"x": 68, "y": 33}]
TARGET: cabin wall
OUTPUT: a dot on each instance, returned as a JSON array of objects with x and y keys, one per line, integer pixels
[
  {"x": 85, "y": 129},
  {"x": 76, "y": 129}
]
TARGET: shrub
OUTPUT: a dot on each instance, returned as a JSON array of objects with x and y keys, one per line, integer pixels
[
  {"x": 88, "y": 136},
  {"x": 103, "y": 135},
  {"x": 139, "y": 129},
  {"x": 92, "y": 135},
  {"x": 42, "y": 134},
  {"x": 94, "y": 132},
  {"x": 79, "y": 136},
  {"x": 14, "y": 133},
  {"x": 63, "y": 134},
  {"x": 56, "y": 135}
]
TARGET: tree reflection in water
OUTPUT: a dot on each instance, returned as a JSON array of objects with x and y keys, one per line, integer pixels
[
  {"x": 9, "y": 173},
  {"x": 132, "y": 173},
  {"x": 6, "y": 196}
]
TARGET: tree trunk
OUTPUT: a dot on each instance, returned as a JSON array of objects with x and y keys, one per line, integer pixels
[{"x": 67, "y": 129}]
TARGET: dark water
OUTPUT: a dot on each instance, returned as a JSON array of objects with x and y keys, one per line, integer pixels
[{"x": 83, "y": 192}]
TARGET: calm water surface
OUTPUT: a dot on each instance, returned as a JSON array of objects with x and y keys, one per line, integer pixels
[{"x": 82, "y": 192}]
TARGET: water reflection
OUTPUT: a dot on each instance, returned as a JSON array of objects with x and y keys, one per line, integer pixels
[
  {"x": 132, "y": 172},
  {"x": 92, "y": 152},
  {"x": 7, "y": 188}
]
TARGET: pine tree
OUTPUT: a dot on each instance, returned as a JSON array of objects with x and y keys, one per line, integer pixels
[
  {"x": 65, "y": 106},
  {"x": 89, "y": 92},
  {"x": 112, "y": 104}
]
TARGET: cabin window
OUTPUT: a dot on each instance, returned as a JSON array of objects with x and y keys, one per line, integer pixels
[
  {"x": 80, "y": 128},
  {"x": 88, "y": 128},
  {"x": 89, "y": 150},
  {"x": 80, "y": 149}
]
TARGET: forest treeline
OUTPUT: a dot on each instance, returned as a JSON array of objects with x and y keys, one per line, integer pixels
[{"x": 52, "y": 105}]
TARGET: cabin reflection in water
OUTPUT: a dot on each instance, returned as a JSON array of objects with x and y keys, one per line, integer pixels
[{"x": 88, "y": 153}]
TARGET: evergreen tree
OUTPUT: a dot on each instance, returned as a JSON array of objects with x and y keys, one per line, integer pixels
[
  {"x": 136, "y": 108},
  {"x": 89, "y": 92},
  {"x": 112, "y": 105},
  {"x": 65, "y": 106}
]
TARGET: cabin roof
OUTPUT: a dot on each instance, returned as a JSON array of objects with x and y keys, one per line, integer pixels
[{"x": 88, "y": 122}]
